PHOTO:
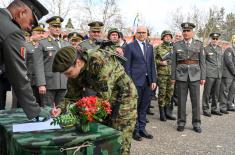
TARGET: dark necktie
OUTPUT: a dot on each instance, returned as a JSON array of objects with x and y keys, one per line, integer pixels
[
  {"x": 144, "y": 50},
  {"x": 187, "y": 44},
  {"x": 58, "y": 42}
]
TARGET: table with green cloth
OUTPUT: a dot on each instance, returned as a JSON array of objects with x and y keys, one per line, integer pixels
[{"x": 100, "y": 140}]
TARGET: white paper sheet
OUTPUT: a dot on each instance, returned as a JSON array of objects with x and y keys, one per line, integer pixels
[{"x": 35, "y": 126}]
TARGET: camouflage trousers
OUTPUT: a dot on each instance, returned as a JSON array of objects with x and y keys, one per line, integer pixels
[
  {"x": 165, "y": 90},
  {"x": 127, "y": 127}
]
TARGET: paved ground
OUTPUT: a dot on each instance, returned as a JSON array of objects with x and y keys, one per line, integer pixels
[{"x": 217, "y": 137}]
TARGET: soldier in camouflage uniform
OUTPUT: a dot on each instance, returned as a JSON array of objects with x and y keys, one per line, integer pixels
[
  {"x": 37, "y": 33},
  {"x": 101, "y": 70},
  {"x": 164, "y": 79},
  {"x": 114, "y": 36},
  {"x": 52, "y": 86}
]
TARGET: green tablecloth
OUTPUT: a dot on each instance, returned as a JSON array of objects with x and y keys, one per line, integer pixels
[{"x": 104, "y": 140}]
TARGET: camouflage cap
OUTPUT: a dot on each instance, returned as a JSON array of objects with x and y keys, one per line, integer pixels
[
  {"x": 166, "y": 32},
  {"x": 40, "y": 27},
  {"x": 55, "y": 20},
  {"x": 96, "y": 26},
  {"x": 64, "y": 58},
  {"x": 75, "y": 36},
  {"x": 111, "y": 30},
  {"x": 187, "y": 26},
  {"x": 215, "y": 35},
  {"x": 233, "y": 38}
]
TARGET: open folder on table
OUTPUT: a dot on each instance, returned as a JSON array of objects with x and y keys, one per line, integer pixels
[{"x": 35, "y": 126}]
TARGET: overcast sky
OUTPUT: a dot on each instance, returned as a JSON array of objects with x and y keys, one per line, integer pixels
[{"x": 156, "y": 13}]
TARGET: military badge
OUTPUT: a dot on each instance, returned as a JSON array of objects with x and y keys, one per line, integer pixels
[
  {"x": 186, "y": 25},
  {"x": 58, "y": 20},
  {"x": 22, "y": 52}
]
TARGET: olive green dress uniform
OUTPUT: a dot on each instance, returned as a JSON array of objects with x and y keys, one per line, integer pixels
[
  {"x": 90, "y": 43},
  {"x": 56, "y": 83},
  {"x": 227, "y": 89},
  {"x": 12, "y": 43},
  {"x": 106, "y": 75},
  {"x": 188, "y": 68},
  {"x": 30, "y": 49},
  {"x": 214, "y": 66}
]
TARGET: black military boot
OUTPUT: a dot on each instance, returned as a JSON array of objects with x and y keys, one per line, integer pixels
[
  {"x": 168, "y": 112},
  {"x": 162, "y": 114}
]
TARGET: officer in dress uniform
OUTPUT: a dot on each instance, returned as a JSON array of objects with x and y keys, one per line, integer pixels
[
  {"x": 188, "y": 72},
  {"x": 51, "y": 86},
  {"x": 75, "y": 38},
  {"x": 18, "y": 16},
  {"x": 227, "y": 88},
  {"x": 94, "y": 35},
  {"x": 37, "y": 34},
  {"x": 90, "y": 43},
  {"x": 214, "y": 61}
]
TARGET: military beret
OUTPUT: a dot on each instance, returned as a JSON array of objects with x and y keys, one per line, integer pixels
[
  {"x": 55, "y": 20},
  {"x": 187, "y": 26},
  {"x": 64, "y": 58},
  {"x": 40, "y": 27},
  {"x": 113, "y": 30},
  {"x": 37, "y": 8},
  {"x": 96, "y": 26},
  {"x": 233, "y": 38},
  {"x": 75, "y": 36},
  {"x": 215, "y": 35}
]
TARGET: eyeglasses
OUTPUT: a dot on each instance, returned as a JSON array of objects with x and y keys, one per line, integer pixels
[
  {"x": 141, "y": 32},
  {"x": 215, "y": 39},
  {"x": 186, "y": 30}
]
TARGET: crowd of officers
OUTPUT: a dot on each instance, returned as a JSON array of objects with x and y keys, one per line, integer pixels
[{"x": 182, "y": 64}]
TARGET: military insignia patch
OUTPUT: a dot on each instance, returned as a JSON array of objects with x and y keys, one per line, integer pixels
[
  {"x": 210, "y": 53},
  {"x": 22, "y": 52}
]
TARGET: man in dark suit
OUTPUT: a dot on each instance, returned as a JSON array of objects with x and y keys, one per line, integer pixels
[
  {"x": 140, "y": 67},
  {"x": 188, "y": 72}
]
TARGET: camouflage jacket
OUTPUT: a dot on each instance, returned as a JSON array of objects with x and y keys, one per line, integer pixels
[
  {"x": 160, "y": 51},
  {"x": 104, "y": 73}
]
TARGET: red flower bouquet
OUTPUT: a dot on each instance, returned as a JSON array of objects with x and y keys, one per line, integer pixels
[{"x": 83, "y": 111}]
